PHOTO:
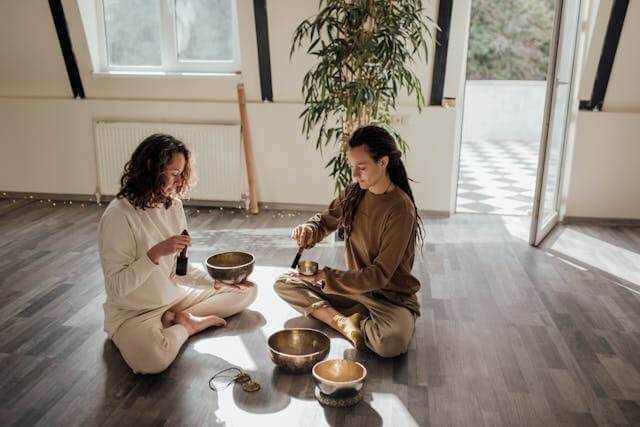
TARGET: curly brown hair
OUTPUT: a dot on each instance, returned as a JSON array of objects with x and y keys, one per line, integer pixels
[{"x": 142, "y": 181}]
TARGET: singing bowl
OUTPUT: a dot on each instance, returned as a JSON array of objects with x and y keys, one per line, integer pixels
[
  {"x": 230, "y": 267},
  {"x": 307, "y": 268},
  {"x": 297, "y": 350},
  {"x": 339, "y": 377}
]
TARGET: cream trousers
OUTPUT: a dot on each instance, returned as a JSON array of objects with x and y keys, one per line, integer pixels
[{"x": 148, "y": 348}]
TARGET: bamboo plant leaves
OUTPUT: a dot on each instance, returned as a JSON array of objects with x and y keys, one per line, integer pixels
[{"x": 364, "y": 49}]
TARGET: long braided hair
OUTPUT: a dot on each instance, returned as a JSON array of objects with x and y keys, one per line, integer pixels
[{"x": 378, "y": 143}]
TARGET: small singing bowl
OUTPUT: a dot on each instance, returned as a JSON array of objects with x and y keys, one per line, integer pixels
[
  {"x": 297, "y": 350},
  {"x": 307, "y": 268},
  {"x": 230, "y": 267},
  {"x": 339, "y": 377}
]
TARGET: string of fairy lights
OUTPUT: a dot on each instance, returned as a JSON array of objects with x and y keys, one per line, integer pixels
[
  {"x": 83, "y": 204},
  {"x": 50, "y": 202}
]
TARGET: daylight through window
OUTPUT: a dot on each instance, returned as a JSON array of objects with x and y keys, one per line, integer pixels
[{"x": 169, "y": 36}]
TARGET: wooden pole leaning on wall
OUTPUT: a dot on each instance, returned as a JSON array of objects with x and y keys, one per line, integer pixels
[{"x": 248, "y": 151}]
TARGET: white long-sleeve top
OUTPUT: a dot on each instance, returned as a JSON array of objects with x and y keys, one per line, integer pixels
[{"x": 133, "y": 283}]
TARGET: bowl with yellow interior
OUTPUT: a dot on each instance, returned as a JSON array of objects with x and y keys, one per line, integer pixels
[{"x": 339, "y": 377}]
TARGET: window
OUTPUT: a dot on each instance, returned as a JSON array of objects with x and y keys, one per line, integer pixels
[{"x": 172, "y": 36}]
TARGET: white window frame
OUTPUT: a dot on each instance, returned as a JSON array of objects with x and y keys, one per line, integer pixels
[{"x": 169, "y": 47}]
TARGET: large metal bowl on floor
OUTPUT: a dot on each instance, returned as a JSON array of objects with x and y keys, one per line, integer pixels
[
  {"x": 339, "y": 377},
  {"x": 297, "y": 350},
  {"x": 230, "y": 267}
]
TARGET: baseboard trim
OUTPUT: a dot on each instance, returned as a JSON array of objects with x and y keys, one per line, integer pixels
[
  {"x": 583, "y": 220},
  {"x": 91, "y": 198},
  {"x": 276, "y": 206},
  {"x": 427, "y": 213}
]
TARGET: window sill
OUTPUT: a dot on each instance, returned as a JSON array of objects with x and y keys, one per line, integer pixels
[{"x": 164, "y": 74}]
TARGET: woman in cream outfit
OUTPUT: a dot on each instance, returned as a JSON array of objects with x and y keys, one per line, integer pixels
[{"x": 150, "y": 312}]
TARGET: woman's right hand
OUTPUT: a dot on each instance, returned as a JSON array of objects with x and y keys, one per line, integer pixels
[
  {"x": 170, "y": 246},
  {"x": 303, "y": 234}
]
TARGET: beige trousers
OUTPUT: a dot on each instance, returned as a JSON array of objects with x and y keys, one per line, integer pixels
[
  {"x": 148, "y": 348},
  {"x": 387, "y": 327}
]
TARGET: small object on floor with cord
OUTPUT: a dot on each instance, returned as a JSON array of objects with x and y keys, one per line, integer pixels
[{"x": 241, "y": 377}]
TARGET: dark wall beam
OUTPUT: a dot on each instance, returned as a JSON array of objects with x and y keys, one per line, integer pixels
[
  {"x": 67, "y": 49},
  {"x": 440, "y": 61},
  {"x": 264, "y": 56},
  {"x": 607, "y": 56}
]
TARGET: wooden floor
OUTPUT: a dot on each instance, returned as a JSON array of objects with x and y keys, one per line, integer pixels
[{"x": 509, "y": 335}]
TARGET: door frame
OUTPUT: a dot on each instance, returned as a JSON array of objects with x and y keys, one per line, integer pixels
[{"x": 535, "y": 238}]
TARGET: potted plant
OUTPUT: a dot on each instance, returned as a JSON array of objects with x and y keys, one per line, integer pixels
[{"x": 364, "y": 49}]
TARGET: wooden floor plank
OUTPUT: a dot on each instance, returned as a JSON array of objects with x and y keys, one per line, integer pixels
[{"x": 509, "y": 334}]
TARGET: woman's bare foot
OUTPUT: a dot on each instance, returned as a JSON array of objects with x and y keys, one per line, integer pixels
[
  {"x": 168, "y": 319},
  {"x": 194, "y": 324}
]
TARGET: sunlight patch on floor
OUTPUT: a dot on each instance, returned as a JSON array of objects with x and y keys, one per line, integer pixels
[
  {"x": 230, "y": 348},
  {"x": 276, "y": 237},
  {"x": 517, "y": 226},
  {"x": 600, "y": 254}
]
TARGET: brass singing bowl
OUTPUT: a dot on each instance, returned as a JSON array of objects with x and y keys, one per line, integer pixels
[
  {"x": 307, "y": 268},
  {"x": 230, "y": 267},
  {"x": 339, "y": 377},
  {"x": 297, "y": 350}
]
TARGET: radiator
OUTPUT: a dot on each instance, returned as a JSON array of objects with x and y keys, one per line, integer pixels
[{"x": 217, "y": 153}]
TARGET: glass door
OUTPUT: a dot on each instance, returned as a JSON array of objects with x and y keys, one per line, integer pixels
[{"x": 549, "y": 177}]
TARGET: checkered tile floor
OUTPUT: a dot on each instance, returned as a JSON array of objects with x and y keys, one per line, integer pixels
[{"x": 497, "y": 177}]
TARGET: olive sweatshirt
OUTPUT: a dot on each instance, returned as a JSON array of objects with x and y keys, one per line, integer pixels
[{"x": 380, "y": 251}]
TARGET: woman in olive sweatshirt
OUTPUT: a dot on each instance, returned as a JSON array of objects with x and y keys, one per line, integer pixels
[{"x": 373, "y": 303}]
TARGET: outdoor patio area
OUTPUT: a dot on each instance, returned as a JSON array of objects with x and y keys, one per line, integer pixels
[
  {"x": 497, "y": 177},
  {"x": 499, "y": 150}
]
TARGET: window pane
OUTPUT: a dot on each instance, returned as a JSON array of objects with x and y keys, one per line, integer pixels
[
  {"x": 133, "y": 32},
  {"x": 204, "y": 30}
]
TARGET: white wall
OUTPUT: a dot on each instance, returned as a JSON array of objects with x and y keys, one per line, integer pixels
[
  {"x": 47, "y": 137},
  {"x": 457, "y": 52},
  {"x": 604, "y": 178},
  {"x": 623, "y": 92},
  {"x": 30, "y": 60},
  {"x": 595, "y": 28},
  {"x": 48, "y": 142},
  {"x": 52, "y": 150},
  {"x": 514, "y": 110}
]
